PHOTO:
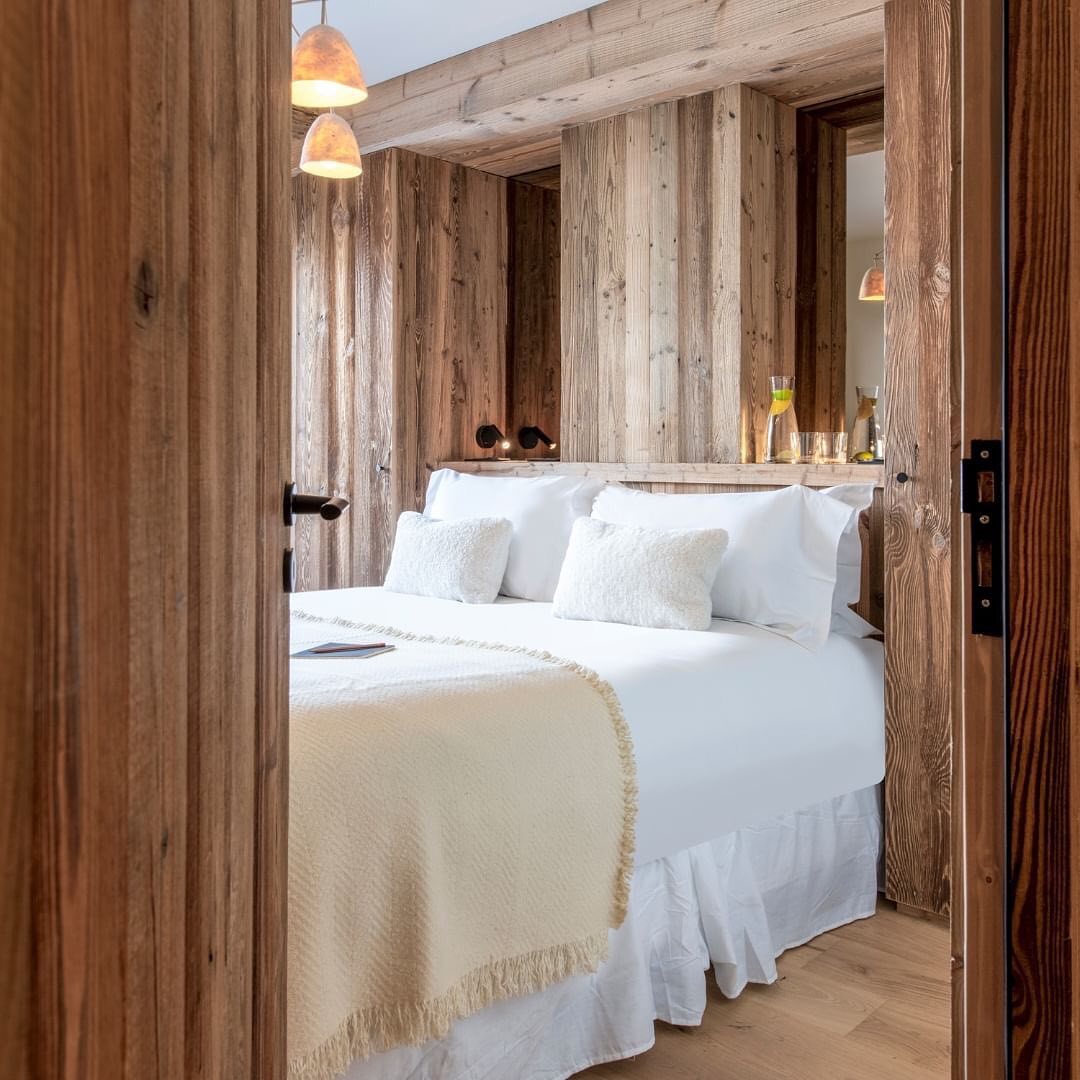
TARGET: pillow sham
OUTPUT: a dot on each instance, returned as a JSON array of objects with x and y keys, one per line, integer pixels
[
  {"x": 779, "y": 571},
  {"x": 453, "y": 560},
  {"x": 659, "y": 578},
  {"x": 541, "y": 510},
  {"x": 849, "y": 552}
]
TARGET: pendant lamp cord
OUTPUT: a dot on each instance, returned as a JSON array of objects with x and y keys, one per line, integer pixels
[{"x": 324, "y": 12}]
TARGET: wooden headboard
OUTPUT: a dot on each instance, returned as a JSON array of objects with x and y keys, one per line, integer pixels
[{"x": 708, "y": 478}]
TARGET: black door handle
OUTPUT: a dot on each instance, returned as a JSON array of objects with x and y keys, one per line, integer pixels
[{"x": 328, "y": 507}]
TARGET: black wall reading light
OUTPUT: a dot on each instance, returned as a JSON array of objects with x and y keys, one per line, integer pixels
[
  {"x": 528, "y": 437},
  {"x": 488, "y": 436}
]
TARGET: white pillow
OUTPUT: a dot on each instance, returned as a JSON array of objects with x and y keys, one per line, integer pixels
[
  {"x": 849, "y": 552},
  {"x": 780, "y": 568},
  {"x": 453, "y": 560},
  {"x": 646, "y": 577},
  {"x": 541, "y": 509}
]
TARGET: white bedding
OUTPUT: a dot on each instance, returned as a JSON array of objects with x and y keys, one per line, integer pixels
[{"x": 731, "y": 726}]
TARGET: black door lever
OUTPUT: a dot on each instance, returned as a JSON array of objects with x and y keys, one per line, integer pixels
[{"x": 328, "y": 507}]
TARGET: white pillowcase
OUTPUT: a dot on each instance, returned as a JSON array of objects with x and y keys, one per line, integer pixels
[
  {"x": 849, "y": 552},
  {"x": 780, "y": 568},
  {"x": 646, "y": 577},
  {"x": 541, "y": 509},
  {"x": 453, "y": 560}
]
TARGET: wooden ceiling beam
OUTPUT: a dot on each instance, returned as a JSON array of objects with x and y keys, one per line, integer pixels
[{"x": 501, "y": 106}]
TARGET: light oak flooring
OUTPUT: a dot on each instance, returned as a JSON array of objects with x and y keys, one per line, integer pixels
[{"x": 869, "y": 1001}]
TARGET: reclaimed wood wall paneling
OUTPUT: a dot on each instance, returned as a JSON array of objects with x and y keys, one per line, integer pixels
[
  {"x": 533, "y": 339},
  {"x": 677, "y": 307},
  {"x": 920, "y": 414},
  {"x": 400, "y": 345}
]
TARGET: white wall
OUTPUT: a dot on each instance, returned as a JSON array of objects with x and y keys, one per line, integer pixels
[{"x": 866, "y": 237}]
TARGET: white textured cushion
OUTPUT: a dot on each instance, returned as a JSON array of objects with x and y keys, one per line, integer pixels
[
  {"x": 780, "y": 568},
  {"x": 454, "y": 560},
  {"x": 646, "y": 577},
  {"x": 542, "y": 510}
]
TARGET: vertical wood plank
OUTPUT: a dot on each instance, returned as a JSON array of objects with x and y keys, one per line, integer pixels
[
  {"x": 979, "y": 883},
  {"x": 920, "y": 415},
  {"x": 696, "y": 302},
  {"x": 533, "y": 342},
  {"x": 820, "y": 326},
  {"x": 21, "y": 31},
  {"x": 727, "y": 242},
  {"x": 631, "y": 386},
  {"x": 664, "y": 230},
  {"x": 578, "y": 436},
  {"x": 1043, "y": 533}
]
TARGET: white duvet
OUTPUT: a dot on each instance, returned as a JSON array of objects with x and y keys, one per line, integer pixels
[{"x": 731, "y": 726}]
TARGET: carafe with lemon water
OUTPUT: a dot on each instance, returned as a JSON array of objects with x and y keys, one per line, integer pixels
[
  {"x": 781, "y": 428},
  {"x": 867, "y": 441}
]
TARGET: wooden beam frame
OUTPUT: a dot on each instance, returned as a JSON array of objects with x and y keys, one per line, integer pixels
[
  {"x": 979, "y": 785},
  {"x": 499, "y": 107}
]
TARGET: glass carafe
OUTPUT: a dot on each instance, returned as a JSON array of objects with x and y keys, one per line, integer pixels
[
  {"x": 867, "y": 441},
  {"x": 781, "y": 429}
]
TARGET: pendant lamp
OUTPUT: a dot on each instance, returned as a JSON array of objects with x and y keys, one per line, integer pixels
[
  {"x": 873, "y": 282},
  {"x": 330, "y": 149},
  {"x": 325, "y": 72}
]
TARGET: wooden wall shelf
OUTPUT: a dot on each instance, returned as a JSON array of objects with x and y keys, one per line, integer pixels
[{"x": 818, "y": 476}]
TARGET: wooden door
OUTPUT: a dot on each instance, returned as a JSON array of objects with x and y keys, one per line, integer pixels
[{"x": 144, "y": 425}]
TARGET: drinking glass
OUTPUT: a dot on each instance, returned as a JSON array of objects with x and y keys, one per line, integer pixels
[
  {"x": 834, "y": 447},
  {"x": 807, "y": 446}
]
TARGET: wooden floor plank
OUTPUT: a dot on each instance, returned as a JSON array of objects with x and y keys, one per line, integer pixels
[{"x": 868, "y": 1000}]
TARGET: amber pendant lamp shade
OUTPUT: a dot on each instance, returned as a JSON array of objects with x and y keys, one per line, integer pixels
[
  {"x": 325, "y": 73},
  {"x": 873, "y": 282},
  {"x": 330, "y": 149}
]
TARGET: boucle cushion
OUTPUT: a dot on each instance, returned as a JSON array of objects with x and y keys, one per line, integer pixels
[
  {"x": 454, "y": 560},
  {"x": 660, "y": 578},
  {"x": 541, "y": 509}
]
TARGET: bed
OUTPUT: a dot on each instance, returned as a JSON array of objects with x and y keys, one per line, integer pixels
[{"x": 759, "y": 827}]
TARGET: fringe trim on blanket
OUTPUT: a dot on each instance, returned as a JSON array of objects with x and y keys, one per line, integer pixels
[{"x": 381, "y": 1027}]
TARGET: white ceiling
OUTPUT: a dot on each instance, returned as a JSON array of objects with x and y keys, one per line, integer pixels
[
  {"x": 391, "y": 37},
  {"x": 866, "y": 195}
]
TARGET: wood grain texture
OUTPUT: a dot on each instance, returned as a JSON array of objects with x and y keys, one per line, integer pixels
[
  {"x": 821, "y": 274},
  {"x": 533, "y": 336},
  {"x": 920, "y": 412},
  {"x": 868, "y": 999},
  {"x": 862, "y": 118},
  {"x": 148, "y": 360},
  {"x": 345, "y": 256},
  {"x": 399, "y": 346},
  {"x": 497, "y": 107},
  {"x": 677, "y": 305},
  {"x": 735, "y": 475},
  {"x": 1043, "y": 532},
  {"x": 449, "y": 316},
  {"x": 21, "y": 211},
  {"x": 980, "y": 965},
  {"x": 274, "y": 441}
]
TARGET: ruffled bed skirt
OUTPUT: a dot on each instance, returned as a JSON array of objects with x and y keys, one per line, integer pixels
[{"x": 733, "y": 904}]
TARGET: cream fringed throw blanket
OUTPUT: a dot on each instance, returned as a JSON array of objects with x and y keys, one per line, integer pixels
[{"x": 460, "y": 831}]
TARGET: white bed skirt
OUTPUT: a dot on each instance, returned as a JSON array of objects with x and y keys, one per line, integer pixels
[{"x": 736, "y": 903}]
